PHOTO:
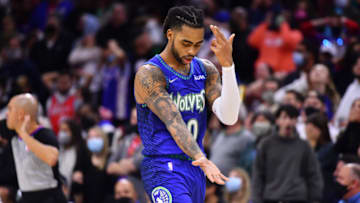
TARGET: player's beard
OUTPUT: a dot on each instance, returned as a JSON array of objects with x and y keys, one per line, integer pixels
[{"x": 175, "y": 53}]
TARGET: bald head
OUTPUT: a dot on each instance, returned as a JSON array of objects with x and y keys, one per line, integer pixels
[
  {"x": 125, "y": 188},
  {"x": 28, "y": 103},
  {"x": 20, "y": 106}
]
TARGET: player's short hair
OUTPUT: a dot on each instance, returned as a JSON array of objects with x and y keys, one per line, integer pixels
[{"x": 183, "y": 15}]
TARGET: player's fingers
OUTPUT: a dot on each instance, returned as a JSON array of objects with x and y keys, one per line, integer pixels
[
  {"x": 196, "y": 163},
  {"x": 211, "y": 178},
  {"x": 215, "y": 30},
  {"x": 231, "y": 39},
  {"x": 219, "y": 181},
  {"x": 224, "y": 177}
]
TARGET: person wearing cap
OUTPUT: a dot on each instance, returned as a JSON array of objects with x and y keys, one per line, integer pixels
[{"x": 285, "y": 167}]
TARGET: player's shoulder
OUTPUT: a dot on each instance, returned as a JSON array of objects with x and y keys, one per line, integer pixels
[
  {"x": 209, "y": 66},
  {"x": 149, "y": 71}
]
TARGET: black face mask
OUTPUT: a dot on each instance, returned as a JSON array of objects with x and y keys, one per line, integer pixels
[
  {"x": 131, "y": 129},
  {"x": 50, "y": 31},
  {"x": 310, "y": 110},
  {"x": 124, "y": 200},
  {"x": 87, "y": 122},
  {"x": 357, "y": 77},
  {"x": 339, "y": 190}
]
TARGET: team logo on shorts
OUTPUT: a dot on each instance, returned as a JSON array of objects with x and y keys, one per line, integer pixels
[{"x": 161, "y": 195}]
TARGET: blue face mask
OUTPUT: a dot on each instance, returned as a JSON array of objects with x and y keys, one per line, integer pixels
[
  {"x": 298, "y": 58},
  {"x": 233, "y": 185},
  {"x": 95, "y": 144}
]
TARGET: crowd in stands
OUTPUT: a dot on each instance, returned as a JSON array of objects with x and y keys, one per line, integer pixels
[{"x": 298, "y": 69}]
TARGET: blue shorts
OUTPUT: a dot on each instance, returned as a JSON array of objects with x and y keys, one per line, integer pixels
[{"x": 173, "y": 180}]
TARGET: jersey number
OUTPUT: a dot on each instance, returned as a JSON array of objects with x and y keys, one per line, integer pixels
[{"x": 193, "y": 127}]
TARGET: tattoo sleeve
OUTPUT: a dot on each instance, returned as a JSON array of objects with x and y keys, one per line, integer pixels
[
  {"x": 150, "y": 89},
  {"x": 213, "y": 82}
]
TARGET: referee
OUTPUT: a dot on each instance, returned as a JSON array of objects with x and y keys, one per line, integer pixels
[{"x": 35, "y": 151}]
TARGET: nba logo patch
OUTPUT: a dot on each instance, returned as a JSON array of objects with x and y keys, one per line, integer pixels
[{"x": 161, "y": 195}]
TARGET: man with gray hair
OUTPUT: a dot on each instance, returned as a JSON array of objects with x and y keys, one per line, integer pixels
[{"x": 349, "y": 179}]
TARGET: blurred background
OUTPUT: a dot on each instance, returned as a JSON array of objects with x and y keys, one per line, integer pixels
[{"x": 79, "y": 58}]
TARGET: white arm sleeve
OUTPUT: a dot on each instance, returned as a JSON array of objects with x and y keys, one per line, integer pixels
[{"x": 226, "y": 107}]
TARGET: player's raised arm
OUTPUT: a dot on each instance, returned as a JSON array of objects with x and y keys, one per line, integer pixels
[
  {"x": 225, "y": 99},
  {"x": 150, "y": 89}
]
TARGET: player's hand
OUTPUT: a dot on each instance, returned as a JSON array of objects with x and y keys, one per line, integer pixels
[
  {"x": 222, "y": 47},
  {"x": 211, "y": 171},
  {"x": 22, "y": 129}
]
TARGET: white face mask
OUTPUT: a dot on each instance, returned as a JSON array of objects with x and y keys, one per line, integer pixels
[
  {"x": 63, "y": 138},
  {"x": 261, "y": 128}
]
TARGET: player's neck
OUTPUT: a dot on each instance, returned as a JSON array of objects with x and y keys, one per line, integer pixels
[{"x": 169, "y": 59}]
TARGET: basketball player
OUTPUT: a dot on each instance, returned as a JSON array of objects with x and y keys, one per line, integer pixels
[
  {"x": 35, "y": 152},
  {"x": 171, "y": 91}
]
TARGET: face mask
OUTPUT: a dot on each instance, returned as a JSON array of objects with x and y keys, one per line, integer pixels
[
  {"x": 261, "y": 128},
  {"x": 340, "y": 190},
  {"x": 50, "y": 31},
  {"x": 124, "y": 200},
  {"x": 310, "y": 110},
  {"x": 63, "y": 138},
  {"x": 268, "y": 96},
  {"x": 298, "y": 58},
  {"x": 233, "y": 185},
  {"x": 95, "y": 144}
]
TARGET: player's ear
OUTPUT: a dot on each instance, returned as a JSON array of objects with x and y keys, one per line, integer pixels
[
  {"x": 169, "y": 34},
  {"x": 20, "y": 114}
]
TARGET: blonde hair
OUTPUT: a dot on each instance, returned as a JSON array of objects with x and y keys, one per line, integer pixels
[
  {"x": 243, "y": 195},
  {"x": 105, "y": 151}
]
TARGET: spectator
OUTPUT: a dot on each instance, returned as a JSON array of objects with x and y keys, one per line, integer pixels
[
  {"x": 91, "y": 183},
  {"x": 349, "y": 179},
  {"x": 319, "y": 80},
  {"x": 318, "y": 135},
  {"x": 117, "y": 28},
  {"x": 276, "y": 43},
  {"x": 244, "y": 56},
  {"x": 73, "y": 153},
  {"x": 352, "y": 92},
  {"x": 239, "y": 150},
  {"x": 16, "y": 67},
  {"x": 126, "y": 159},
  {"x": 294, "y": 98},
  {"x": 291, "y": 160},
  {"x": 124, "y": 192},
  {"x": 85, "y": 58},
  {"x": 348, "y": 141},
  {"x": 113, "y": 81},
  {"x": 238, "y": 189},
  {"x": 261, "y": 125},
  {"x": 314, "y": 103},
  {"x": 64, "y": 102},
  {"x": 51, "y": 53}
]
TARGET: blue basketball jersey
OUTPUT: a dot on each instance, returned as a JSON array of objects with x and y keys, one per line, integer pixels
[{"x": 188, "y": 94}]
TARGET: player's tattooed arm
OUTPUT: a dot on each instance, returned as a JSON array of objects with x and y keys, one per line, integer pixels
[
  {"x": 213, "y": 82},
  {"x": 150, "y": 89}
]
